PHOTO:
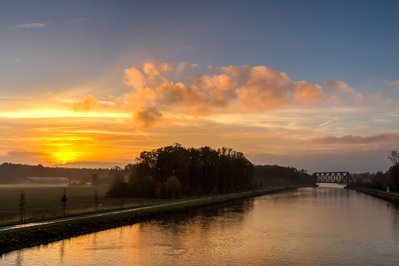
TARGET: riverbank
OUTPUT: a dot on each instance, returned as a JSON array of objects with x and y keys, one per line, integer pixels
[
  {"x": 388, "y": 196},
  {"x": 55, "y": 230}
]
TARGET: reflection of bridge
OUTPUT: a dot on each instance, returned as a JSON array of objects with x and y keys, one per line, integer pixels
[{"x": 333, "y": 177}]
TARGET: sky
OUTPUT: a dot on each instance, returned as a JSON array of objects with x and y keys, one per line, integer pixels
[{"x": 308, "y": 84}]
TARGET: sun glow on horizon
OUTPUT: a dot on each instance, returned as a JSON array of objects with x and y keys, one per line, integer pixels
[
  {"x": 58, "y": 113},
  {"x": 64, "y": 149},
  {"x": 64, "y": 157}
]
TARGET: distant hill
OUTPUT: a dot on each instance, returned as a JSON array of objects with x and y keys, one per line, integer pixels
[{"x": 17, "y": 173}]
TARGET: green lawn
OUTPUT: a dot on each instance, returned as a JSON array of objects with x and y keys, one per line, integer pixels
[{"x": 44, "y": 201}]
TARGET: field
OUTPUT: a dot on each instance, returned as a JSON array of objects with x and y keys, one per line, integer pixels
[{"x": 43, "y": 202}]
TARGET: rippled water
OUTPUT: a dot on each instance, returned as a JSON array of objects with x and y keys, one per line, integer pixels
[{"x": 323, "y": 226}]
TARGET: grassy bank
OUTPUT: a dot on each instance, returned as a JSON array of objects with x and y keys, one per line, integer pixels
[
  {"x": 392, "y": 197},
  {"x": 42, "y": 234},
  {"x": 43, "y": 202}
]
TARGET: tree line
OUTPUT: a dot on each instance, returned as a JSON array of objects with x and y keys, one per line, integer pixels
[
  {"x": 16, "y": 173},
  {"x": 381, "y": 180},
  {"x": 276, "y": 175},
  {"x": 173, "y": 171},
  {"x": 393, "y": 172}
]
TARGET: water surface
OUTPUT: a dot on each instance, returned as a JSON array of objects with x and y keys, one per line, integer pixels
[{"x": 311, "y": 226}]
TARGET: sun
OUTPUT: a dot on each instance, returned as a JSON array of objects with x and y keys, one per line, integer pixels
[
  {"x": 65, "y": 156},
  {"x": 62, "y": 149}
]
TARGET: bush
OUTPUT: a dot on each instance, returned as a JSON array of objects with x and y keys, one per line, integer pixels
[
  {"x": 118, "y": 186},
  {"x": 173, "y": 187},
  {"x": 393, "y": 177},
  {"x": 144, "y": 187}
]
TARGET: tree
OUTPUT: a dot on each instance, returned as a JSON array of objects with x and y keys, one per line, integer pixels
[
  {"x": 173, "y": 187},
  {"x": 393, "y": 177},
  {"x": 64, "y": 202},
  {"x": 21, "y": 206},
  {"x": 94, "y": 179},
  {"x": 142, "y": 186},
  {"x": 394, "y": 157},
  {"x": 118, "y": 185},
  {"x": 96, "y": 201},
  {"x": 195, "y": 172}
]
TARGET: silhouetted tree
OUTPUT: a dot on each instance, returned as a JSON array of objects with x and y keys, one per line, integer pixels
[
  {"x": 94, "y": 179},
  {"x": 393, "y": 177},
  {"x": 275, "y": 175},
  {"x": 394, "y": 157},
  {"x": 21, "y": 205},
  {"x": 393, "y": 172},
  {"x": 118, "y": 185},
  {"x": 173, "y": 187},
  {"x": 142, "y": 186},
  {"x": 96, "y": 201},
  {"x": 64, "y": 202},
  {"x": 198, "y": 171}
]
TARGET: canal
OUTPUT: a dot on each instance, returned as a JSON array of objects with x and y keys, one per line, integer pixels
[{"x": 309, "y": 226}]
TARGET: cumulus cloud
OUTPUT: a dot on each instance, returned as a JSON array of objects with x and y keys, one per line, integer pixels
[
  {"x": 92, "y": 104},
  {"x": 307, "y": 93},
  {"x": 159, "y": 89},
  {"x": 264, "y": 88},
  {"x": 221, "y": 89},
  {"x": 87, "y": 104},
  {"x": 342, "y": 89},
  {"x": 392, "y": 83},
  {"x": 32, "y": 26},
  {"x": 381, "y": 99},
  {"x": 134, "y": 78},
  {"x": 147, "y": 117}
]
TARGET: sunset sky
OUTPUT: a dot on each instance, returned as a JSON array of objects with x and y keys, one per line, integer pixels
[{"x": 309, "y": 84}]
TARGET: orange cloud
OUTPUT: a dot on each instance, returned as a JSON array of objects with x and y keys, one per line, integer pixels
[
  {"x": 264, "y": 88},
  {"x": 379, "y": 98},
  {"x": 307, "y": 93},
  {"x": 161, "y": 89},
  {"x": 147, "y": 116},
  {"x": 343, "y": 89},
  {"x": 87, "y": 104},
  {"x": 134, "y": 78},
  {"x": 223, "y": 89}
]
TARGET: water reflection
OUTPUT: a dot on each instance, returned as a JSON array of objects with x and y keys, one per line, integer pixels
[
  {"x": 62, "y": 252},
  {"x": 312, "y": 226},
  {"x": 19, "y": 258}
]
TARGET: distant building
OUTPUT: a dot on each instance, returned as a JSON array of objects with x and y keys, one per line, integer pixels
[{"x": 47, "y": 180}]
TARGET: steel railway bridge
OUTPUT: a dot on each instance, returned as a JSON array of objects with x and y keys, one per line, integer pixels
[{"x": 333, "y": 177}]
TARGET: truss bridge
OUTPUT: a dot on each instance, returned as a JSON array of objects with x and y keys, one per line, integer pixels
[{"x": 333, "y": 177}]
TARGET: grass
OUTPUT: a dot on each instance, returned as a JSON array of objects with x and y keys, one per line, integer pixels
[
  {"x": 43, "y": 202},
  {"x": 43, "y": 234}
]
